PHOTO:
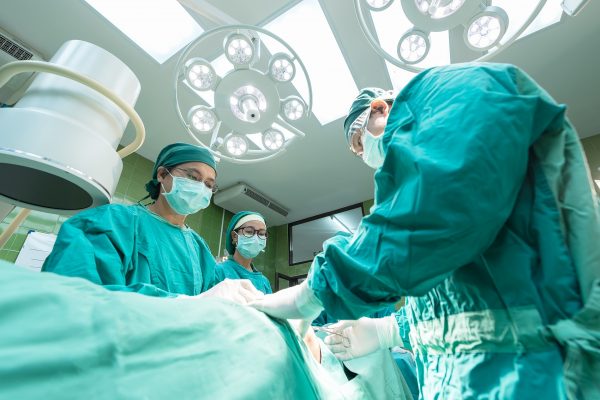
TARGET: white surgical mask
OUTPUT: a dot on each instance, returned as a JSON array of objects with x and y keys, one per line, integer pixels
[
  {"x": 372, "y": 150},
  {"x": 187, "y": 196},
  {"x": 250, "y": 247}
]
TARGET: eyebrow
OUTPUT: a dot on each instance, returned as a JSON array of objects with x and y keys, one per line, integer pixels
[{"x": 199, "y": 173}]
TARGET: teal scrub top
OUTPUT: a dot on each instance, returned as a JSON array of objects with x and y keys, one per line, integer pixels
[
  {"x": 129, "y": 248},
  {"x": 485, "y": 217},
  {"x": 230, "y": 269}
]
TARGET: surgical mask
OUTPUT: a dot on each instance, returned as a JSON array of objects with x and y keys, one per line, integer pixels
[
  {"x": 187, "y": 196},
  {"x": 250, "y": 247},
  {"x": 372, "y": 150}
]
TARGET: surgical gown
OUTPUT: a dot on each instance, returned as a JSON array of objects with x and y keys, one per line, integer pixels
[
  {"x": 484, "y": 215},
  {"x": 66, "y": 338},
  {"x": 129, "y": 248},
  {"x": 230, "y": 269}
]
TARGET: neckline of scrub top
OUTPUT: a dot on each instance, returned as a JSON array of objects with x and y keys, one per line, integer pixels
[
  {"x": 237, "y": 264},
  {"x": 160, "y": 218}
]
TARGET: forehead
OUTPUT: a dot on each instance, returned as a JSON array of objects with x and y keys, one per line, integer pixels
[
  {"x": 254, "y": 224},
  {"x": 199, "y": 168}
]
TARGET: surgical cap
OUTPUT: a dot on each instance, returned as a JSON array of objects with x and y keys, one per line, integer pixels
[
  {"x": 361, "y": 103},
  {"x": 175, "y": 154},
  {"x": 234, "y": 223}
]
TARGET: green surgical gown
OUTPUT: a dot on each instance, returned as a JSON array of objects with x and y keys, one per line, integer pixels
[
  {"x": 485, "y": 217},
  {"x": 230, "y": 269},
  {"x": 129, "y": 248}
]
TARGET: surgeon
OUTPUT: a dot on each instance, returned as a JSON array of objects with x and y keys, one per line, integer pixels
[
  {"x": 149, "y": 249},
  {"x": 246, "y": 238},
  {"x": 485, "y": 217}
]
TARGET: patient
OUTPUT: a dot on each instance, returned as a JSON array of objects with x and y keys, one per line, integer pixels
[{"x": 63, "y": 337}]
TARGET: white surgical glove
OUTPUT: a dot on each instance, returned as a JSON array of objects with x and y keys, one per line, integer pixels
[
  {"x": 362, "y": 337},
  {"x": 240, "y": 291},
  {"x": 297, "y": 302}
]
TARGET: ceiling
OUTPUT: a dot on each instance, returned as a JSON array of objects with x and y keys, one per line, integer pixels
[{"x": 317, "y": 173}]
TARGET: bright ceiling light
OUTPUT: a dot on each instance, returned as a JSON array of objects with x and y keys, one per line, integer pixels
[
  {"x": 202, "y": 119},
  {"x": 247, "y": 102},
  {"x": 281, "y": 68},
  {"x": 200, "y": 74},
  {"x": 293, "y": 108},
  {"x": 418, "y": 34},
  {"x": 378, "y": 5},
  {"x": 239, "y": 49},
  {"x": 273, "y": 139},
  {"x": 161, "y": 28},
  {"x": 486, "y": 29},
  {"x": 247, "y": 118},
  {"x": 236, "y": 145},
  {"x": 324, "y": 60},
  {"x": 413, "y": 47},
  {"x": 438, "y": 9}
]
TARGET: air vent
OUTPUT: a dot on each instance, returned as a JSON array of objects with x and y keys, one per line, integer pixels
[
  {"x": 242, "y": 197},
  {"x": 250, "y": 193},
  {"x": 258, "y": 197},
  {"x": 278, "y": 209},
  {"x": 13, "y": 49}
]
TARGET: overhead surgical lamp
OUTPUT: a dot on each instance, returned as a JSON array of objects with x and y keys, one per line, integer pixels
[
  {"x": 58, "y": 147},
  {"x": 474, "y": 29},
  {"x": 242, "y": 104}
]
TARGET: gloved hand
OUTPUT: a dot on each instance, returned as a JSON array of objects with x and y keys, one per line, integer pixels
[
  {"x": 297, "y": 302},
  {"x": 362, "y": 337},
  {"x": 240, "y": 291}
]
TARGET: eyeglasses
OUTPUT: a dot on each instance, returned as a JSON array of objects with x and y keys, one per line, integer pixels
[
  {"x": 192, "y": 175},
  {"x": 249, "y": 231}
]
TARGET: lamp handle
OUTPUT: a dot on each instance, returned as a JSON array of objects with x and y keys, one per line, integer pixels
[{"x": 16, "y": 67}]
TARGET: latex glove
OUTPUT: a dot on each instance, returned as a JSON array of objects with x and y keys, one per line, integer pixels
[
  {"x": 240, "y": 291},
  {"x": 296, "y": 302},
  {"x": 362, "y": 337}
]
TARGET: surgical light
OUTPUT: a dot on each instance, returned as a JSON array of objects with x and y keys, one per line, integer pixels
[
  {"x": 59, "y": 141},
  {"x": 236, "y": 145},
  {"x": 413, "y": 47},
  {"x": 200, "y": 74},
  {"x": 438, "y": 9},
  {"x": 239, "y": 49},
  {"x": 273, "y": 139},
  {"x": 281, "y": 68},
  {"x": 418, "y": 34},
  {"x": 486, "y": 29},
  {"x": 202, "y": 119},
  {"x": 293, "y": 108},
  {"x": 378, "y": 5},
  {"x": 247, "y": 102},
  {"x": 232, "y": 104}
]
